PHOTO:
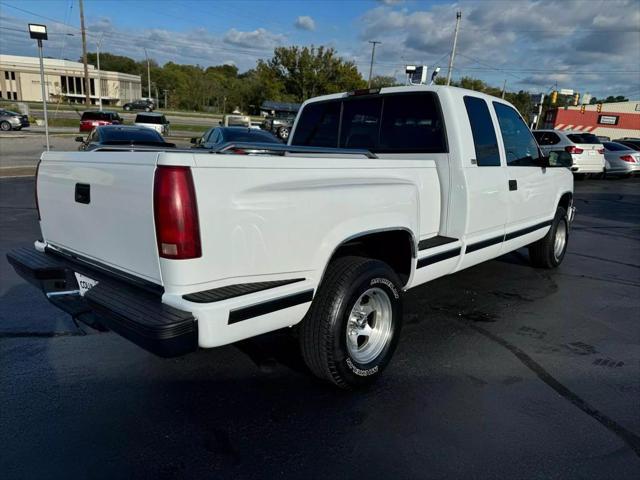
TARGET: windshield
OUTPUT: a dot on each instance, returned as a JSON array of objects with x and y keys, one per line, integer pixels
[
  {"x": 130, "y": 135},
  {"x": 589, "y": 138},
  {"x": 614, "y": 147},
  {"x": 154, "y": 119},
  {"x": 245, "y": 136}
]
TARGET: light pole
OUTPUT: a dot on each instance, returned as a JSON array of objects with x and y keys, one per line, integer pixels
[
  {"x": 148, "y": 74},
  {"x": 453, "y": 49},
  {"x": 39, "y": 32},
  {"x": 373, "y": 52},
  {"x": 99, "y": 89}
]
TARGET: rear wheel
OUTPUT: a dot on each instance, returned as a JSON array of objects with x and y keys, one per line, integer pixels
[
  {"x": 5, "y": 126},
  {"x": 127, "y": 108},
  {"x": 549, "y": 251},
  {"x": 352, "y": 329}
]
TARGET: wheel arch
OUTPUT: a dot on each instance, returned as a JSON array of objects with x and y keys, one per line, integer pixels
[
  {"x": 566, "y": 199},
  {"x": 395, "y": 246}
]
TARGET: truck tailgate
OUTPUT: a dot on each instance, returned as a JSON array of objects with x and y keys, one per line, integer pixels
[{"x": 100, "y": 205}]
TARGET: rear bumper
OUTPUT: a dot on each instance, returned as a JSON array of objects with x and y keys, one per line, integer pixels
[{"x": 132, "y": 312}]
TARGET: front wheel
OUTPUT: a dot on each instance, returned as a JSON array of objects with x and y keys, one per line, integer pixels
[
  {"x": 283, "y": 133},
  {"x": 352, "y": 328},
  {"x": 5, "y": 126},
  {"x": 549, "y": 251},
  {"x": 127, "y": 108}
]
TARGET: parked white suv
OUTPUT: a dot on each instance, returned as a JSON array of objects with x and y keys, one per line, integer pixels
[
  {"x": 378, "y": 192},
  {"x": 155, "y": 120},
  {"x": 586, "y": 149}
]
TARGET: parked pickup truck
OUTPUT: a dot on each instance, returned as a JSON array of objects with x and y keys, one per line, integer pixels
[{"x": 179, "y": 250}]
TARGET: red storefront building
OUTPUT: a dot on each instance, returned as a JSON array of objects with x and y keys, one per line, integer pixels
[{"x": 613, "y": 120}]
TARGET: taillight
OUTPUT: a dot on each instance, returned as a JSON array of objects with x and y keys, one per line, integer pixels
[
  {"x": 573, "y": 149},
  {"x": 176, "y": 213},
  {"x": 601, "y": 151},
  {"x": 238, "y": 151},
  {"x": 36, "y": 189},
  {"x": 627, "y": 158}
]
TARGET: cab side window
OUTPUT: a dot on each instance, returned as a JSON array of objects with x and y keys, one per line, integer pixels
[
  {"x": 484, "y": 135},
  {"x": 520, "y": 146}
]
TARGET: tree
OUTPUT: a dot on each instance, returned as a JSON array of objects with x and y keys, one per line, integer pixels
[
  {"x": 115, "y": 63},
  {"x": 609, "y": 99},
  {"x": 306, "y": 72},
  {"x": 380, "y": 81}
]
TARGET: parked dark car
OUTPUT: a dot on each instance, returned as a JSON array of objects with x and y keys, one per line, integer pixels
[
  {"x": 12, "y": 120},
  {"x": 122, "y": 136},
  {"x": 218, "y": 136},
  {"x": 144, "y": 105},
  {"x": 632, "y": 143},
  {"x": 92, "y": 119}
]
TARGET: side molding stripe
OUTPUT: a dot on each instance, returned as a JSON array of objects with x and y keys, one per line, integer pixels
[
  {"x": 524, "y": 231},
  {"x": 269, "y": 306},
  {"x": 439, "y": 257}
]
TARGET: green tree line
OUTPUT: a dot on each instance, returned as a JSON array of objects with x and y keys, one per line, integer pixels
[{"x": 292, "y": 74}]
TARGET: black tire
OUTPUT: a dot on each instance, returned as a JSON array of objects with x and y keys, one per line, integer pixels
[
  {"x": 323, "y": 332},
  {"x": 127, "y": 108},
  {"x": 283, "y": 133},
  {"x": 543, "y": 253},
  {"x": 5, "y": 126}
]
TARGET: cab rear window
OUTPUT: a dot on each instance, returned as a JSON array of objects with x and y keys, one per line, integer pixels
[
  {"x": 392, "y": 123},
  {"x": 583, "y": 138}
]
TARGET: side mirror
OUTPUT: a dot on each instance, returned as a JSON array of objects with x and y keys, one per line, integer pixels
[
  {"x": 79, "y": 139},
  {"x": 560, "y": 158}
]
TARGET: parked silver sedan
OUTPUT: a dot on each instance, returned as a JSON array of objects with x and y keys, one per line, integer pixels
[
  {"x": 620, "y": 159},
  {"x": 12, "y": 120}
]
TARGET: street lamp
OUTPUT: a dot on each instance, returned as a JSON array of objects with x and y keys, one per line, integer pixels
[{"x": 39, "y": 32}]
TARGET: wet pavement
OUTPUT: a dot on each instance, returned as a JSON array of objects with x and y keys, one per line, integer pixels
[{"x": 503, "y": 371}]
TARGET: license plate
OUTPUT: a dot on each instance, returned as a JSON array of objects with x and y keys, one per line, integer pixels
[
  {"x": 85, "y": 283},
  {"x": 592, "y": 152}
]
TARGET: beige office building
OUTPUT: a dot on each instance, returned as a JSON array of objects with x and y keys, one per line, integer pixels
[{"x": 20, "y": 80}]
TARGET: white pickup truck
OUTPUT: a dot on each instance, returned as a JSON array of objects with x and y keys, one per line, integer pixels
[{"x": 179, "y": 250}]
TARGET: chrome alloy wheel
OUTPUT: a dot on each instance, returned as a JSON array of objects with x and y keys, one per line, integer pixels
[
  {"x": 560, "y": 240},
  {"x": 369, "y": 326}
]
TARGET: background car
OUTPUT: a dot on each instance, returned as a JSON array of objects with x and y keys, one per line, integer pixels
[
  {"x": 12, "y": 120},
  {"x": 142, "y": 104},
  {"x": 620, "y": 159},
  {"x": 280, "y": 124},
  {"x": 586, "y": 150},
  {"x": 632, "y": 143},
  {"x": 92, "y": 119},
  {"x": 220, "y": 135},
  {"x": 156, "y": 121},
  {"x": 122, "y": 135}
]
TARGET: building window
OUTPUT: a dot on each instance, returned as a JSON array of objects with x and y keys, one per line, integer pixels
[
  {"x": 13, "y": 75},
  {"x": 6, "y": 75},
  {"x": 79, "y": 88},
  {"x": 15, "y": 95},
  {"x": 92, "y": 86}
]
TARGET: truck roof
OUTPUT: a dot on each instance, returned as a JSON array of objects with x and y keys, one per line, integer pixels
[{"x": 406, "y": 89}]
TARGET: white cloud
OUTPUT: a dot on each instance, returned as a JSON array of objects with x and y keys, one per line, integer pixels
[
  {"x": 258, "y": 37},
  {"x": 305, "y": 23},
  {"x": 531, "y": 43}
]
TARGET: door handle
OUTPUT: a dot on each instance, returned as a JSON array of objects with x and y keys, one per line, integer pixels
[{"x": 513, "y": 185}]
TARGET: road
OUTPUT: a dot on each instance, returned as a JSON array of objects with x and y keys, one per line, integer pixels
[
  {"x": 503, "y": 371},
  {"x": 129, "y": 117},
  {"x": 23, "y": 149}
]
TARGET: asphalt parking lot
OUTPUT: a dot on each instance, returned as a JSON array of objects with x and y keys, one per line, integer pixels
[{"x": 503, "y": 371}]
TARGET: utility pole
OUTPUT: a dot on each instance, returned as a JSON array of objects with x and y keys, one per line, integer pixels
[
  {"x": 453, "y": 50},
  {"x": 165, "y": 98},
  {"x": 99, "y": 86},
  {"x": 504, "y": 88},
  {"x": 87, "y": 83},
  {"x": 373, "y": 52},
  {"x": 148, "y": 74}
]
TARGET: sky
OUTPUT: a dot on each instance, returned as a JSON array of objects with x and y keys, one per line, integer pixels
[{"x": 590, "y": 46}]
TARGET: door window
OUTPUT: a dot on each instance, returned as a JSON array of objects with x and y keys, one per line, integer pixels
[
  {"x": 520, "y": 147},
  {"x": 484, "y": 135}
]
